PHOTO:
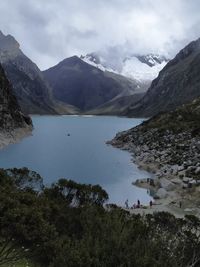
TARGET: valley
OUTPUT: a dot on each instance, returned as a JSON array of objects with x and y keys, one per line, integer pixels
[{"x": 100, "y": 135}]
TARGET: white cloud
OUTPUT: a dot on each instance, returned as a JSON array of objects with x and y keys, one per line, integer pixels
[{"x": 49, "y": 31}]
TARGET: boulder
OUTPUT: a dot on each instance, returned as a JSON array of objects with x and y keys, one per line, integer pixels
[
  {"x": 166, "y": 184},
  {"x": 180, "y": 168},
  {"x": 193, "y": 182},
  {"x": 184, "y": 186},
  {"x": 197, "y": 171},
  {"x": 189, "y": 210},
  {"x": 174, "y": 169},
  {"x": 176, "y": 181},
  {"x": 161, "y": 193},
  {"x": 191, "y": 168},
  {"x": 186, "y": 180}
]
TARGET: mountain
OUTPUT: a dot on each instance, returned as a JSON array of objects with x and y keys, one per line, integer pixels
[
  {"x": 167, "y": 140},
  {"x": 29, "y": 86},
  {"x": 141, "y": 68},
  {"x": 168, "y": 145},
  {"x": 116, "y": 106},
  {"x": 177, "y": 83},
  {"x": 13, "y": 123},
  {"x": 86, "y": 87}
]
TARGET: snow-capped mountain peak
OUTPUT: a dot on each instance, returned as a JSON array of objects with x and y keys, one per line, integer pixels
[
  {"x": 152, "y": 59},
  {"x": 97, "y": 61},
  {"x": 143, "y": 68},
  {"x": 138, "y": 67}
]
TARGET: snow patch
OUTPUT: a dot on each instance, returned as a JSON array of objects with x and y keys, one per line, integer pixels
[
  {"x": 134, "y": 68},
  {"x": 143, "y": 68}
]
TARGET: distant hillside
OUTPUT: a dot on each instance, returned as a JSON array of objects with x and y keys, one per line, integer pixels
[
  {"x": 29, "y": 86},
  {"x": 116, "y": 106},
  {"x": 86, "y": 87},
  {"x": 177, "y": 83},
  {"x": 167, "y": 139}
]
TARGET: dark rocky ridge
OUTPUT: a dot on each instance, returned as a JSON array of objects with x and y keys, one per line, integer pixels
[
  {"x": 29, "y": 86},
  {"x": 84, "y": 86},
  {"x": 152, "y": 59},
  {"x": 11, "y": 116},
  {"x": 178, "y": 83}
]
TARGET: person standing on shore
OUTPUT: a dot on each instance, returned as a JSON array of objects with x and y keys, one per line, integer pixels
[
  {"x": 138, "y": 203},
  {"x": 150, "y": 203},
  {"x": 126, "y": 204}
]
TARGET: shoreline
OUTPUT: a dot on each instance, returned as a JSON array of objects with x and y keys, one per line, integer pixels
[
  {"x": 14, "y": 136},
  {"x": 169, "y": 195}
]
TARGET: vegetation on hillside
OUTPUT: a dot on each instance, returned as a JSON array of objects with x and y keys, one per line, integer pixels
[
  {"x": 184, "y": 118},
  {"x": 67, "y": 224}
]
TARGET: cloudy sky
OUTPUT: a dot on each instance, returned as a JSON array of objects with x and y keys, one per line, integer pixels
[{"x": 51, "y": 30}]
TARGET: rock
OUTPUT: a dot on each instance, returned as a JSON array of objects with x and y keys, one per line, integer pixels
[
  {"x": 186, "y": 180},
  {"x": 184, "y": 186},
  {"x": 197, "y": 171},
  {"x": 166, "y": 184},
  {"x": 174, "y": 169},
  {"x": 189, "y": 210},
  {"x": 180, "y": 168},
  {"x": 161, "y": 193},
  {"x": 191, "y": 168},
  {"x": 192, "y": 183},
  {"x": 176, "y": 181}
]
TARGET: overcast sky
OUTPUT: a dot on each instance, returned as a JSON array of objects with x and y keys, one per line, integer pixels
[{"x": 51, "y": 30}]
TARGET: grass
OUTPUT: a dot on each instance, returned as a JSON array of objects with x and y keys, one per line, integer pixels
[{"x": 22, "y": 263}]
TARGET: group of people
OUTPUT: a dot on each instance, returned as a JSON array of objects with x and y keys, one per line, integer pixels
[{"x": 138, "y": 205}]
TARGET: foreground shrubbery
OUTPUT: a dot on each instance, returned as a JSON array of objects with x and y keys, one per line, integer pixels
[{"x": 66, "y": 225}]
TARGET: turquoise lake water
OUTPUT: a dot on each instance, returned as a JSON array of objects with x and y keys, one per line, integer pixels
[{"x": 74, "y": 147}]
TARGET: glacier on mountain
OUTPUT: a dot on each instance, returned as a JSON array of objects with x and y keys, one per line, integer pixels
[
  {"x": 134, "y": 68},
  {"x": 143, "y": 68}
]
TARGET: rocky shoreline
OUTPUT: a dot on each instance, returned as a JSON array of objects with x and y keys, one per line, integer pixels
[
  {"x": 174, "y": 159},
  {"x": 14, "y": 136}
]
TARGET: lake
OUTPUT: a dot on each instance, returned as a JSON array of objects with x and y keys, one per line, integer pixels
[{"x": 74, "y": 147}]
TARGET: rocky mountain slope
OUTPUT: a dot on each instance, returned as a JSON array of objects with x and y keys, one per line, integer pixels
[
  {"x": 29, "y": 86},
  {"x": 13, "y": 123},
  {"x": 86, "y": 87},
  {"x": 169, "y": 145},
  {"x": 177, "y": 83}
]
